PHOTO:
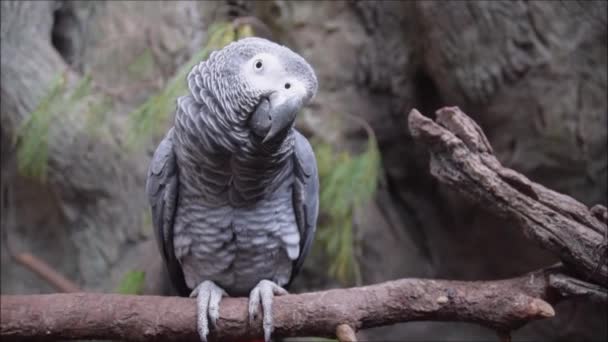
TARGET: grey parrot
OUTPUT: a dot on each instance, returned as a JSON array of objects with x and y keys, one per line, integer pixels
[{"x": 233, "y": 186}]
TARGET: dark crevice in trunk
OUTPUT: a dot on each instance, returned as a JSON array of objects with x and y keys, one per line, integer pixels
[
  {"x": 427, "y": 94},
  {"x": 66, "y": 35}
]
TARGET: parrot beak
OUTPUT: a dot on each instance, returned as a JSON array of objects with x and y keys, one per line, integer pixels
[{"x": 281, "y": 113}]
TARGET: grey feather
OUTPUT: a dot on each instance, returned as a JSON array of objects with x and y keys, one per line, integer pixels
[
  {"x": 162, "y": 191},
  {"x": 305, "y": 197},
  {"x": 228, "y": 206}
]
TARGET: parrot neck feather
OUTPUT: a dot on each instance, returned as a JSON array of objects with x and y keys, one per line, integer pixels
[{"x": 224, "y": 161}]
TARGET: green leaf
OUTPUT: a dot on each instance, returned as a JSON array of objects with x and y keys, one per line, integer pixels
[{"x": 132, "y": 283}]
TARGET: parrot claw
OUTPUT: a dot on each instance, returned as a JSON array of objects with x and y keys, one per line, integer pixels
[
  {"x": 263, "y": 293},
  {"x": 208, "y": 296}
]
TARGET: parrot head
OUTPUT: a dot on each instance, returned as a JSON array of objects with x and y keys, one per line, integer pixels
[{"x": 258, "y": 84}]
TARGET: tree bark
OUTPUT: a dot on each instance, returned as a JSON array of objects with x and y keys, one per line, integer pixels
[
  {"x": 462, "y": 158},
  {"x": 502, "y": 305}
]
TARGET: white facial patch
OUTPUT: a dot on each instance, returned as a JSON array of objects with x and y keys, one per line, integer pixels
[{"x": 265, "y": 73}]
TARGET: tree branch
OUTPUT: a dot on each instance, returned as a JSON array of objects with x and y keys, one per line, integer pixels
[
  {"x": 502, "y": 305},
  {"x": 462, "y": 158},
  {"x": 46, "y": 272}
]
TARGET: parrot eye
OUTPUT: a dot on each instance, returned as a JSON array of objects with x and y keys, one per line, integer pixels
[{"x": 258, "y": 65}]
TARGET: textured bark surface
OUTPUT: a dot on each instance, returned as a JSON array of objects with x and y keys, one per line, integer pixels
[
  {"x": 462, "y": 158},
  {"x": 501, "y": 305}
]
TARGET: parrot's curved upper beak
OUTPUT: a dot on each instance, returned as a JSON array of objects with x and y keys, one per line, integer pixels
[
  {"x": 275, "y": 114},
  {"x": 282, "y": 113}
]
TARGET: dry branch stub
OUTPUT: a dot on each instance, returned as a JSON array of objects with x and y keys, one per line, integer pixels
[
  {"x": 345, "y": 333},
  {"x": 462, "y": 158}
]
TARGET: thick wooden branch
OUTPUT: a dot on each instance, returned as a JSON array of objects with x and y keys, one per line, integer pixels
[
  {"x": 462, "y": 158},
  {"x": 502, "y": 305}
]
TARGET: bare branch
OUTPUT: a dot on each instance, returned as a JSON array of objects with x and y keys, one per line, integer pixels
[
  {"x": 503, "y": 305},
  {"x": 28, "y": 260},
  {"x": 462, "y": 158},
  {"x": 46, "y": 272}
]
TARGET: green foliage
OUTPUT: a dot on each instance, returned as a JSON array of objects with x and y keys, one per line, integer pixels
[
  {"x": 132, "y": 283},
  {"x": 347, "y": 182},
  {"x": 147, "y": 119},
  {"x": 32, "y": 136}
]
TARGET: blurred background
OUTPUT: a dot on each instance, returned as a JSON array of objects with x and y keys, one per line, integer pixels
[{"x": 89, "y": 88}]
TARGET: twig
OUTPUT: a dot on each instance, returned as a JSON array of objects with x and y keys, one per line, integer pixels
[
  {"x": 501, "y": 305},
  {"x": 31, "y": 262},
  {"x": 46, "y": 272}
]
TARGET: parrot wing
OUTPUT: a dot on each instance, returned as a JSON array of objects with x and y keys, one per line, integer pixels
[
  {"x": 305, "y": 197},
  {"x": 162, "y": 189}
]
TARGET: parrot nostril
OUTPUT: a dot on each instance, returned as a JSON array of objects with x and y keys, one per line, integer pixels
[
  {"x": 269, "y": 117},
  {"x": 287, "y": 85}
]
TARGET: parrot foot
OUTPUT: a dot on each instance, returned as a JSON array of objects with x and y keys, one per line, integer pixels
[
  {"x": 263, "y": 293},
  {"x": 208, "y": 296}
]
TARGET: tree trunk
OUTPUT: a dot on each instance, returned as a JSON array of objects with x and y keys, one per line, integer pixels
[{"x": 95, "y": 184}]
